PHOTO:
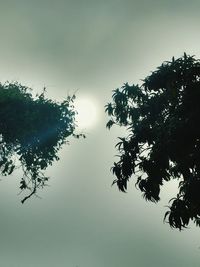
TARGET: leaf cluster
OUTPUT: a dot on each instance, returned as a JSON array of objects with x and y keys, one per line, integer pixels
[
  {"x": 162, "y": 118},
  {"x": 32, "y": 130}
]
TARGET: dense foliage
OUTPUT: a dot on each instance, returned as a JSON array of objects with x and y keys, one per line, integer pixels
[
  {"x": 32, "y": 129},
  {"x": 162, "y": 118}
]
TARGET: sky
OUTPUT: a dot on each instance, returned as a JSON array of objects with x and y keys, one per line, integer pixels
[{"x": 91, "y": 47}]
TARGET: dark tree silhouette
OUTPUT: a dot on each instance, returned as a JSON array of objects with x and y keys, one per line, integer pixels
[
  {"x": 162, "y": 118},
  {"x": 32, "y": 130}
]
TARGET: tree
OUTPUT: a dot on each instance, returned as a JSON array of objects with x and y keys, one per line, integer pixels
[
  {"x": 32, "y": 130},
  {"x": 162, "y": 119}
]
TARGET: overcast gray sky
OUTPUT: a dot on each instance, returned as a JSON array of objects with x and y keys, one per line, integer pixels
[{"x": 93, "y": 46}]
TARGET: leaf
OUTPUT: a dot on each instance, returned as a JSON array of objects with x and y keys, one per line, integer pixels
[
  {"x": 109, "y": 109},
  {"x": 23, "y": 185},
  {"x": 109, "y": 124}
]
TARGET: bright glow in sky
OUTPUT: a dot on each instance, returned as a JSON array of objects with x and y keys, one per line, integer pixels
[{"x": 87, "y": 113}]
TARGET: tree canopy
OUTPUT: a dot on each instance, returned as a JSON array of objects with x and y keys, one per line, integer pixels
[
  {"x": 32, "y": 130},
  {"x": 162, "y": 119}
]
